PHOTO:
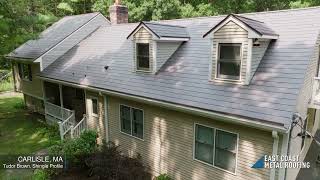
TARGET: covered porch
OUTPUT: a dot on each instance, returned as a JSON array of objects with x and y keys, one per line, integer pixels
[{"x": 66, "y": 106}]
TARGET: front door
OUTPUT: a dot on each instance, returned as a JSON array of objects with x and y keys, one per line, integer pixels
[{"x": 93, "y": 112}]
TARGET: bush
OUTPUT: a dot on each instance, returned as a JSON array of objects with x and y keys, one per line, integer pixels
[
  {"x": 76, "y": 149},
  {"x": 40, "y": 174},
  {"x": 163, "y": 177},
  {"x": 109, "y": 163}
]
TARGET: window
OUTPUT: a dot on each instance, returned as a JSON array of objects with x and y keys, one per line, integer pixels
[
  {"x": 204, "y": 144},
  {"x": 229, "y": 61},
  {"x": 216, "y": 147},
  {"x": 225, "y": 150},
  {"x": 143, "y": 56},
  {"x": 25, "y": 71},
  {"x": 94, "y": 106},
  {"x": 131, "y": 121}
]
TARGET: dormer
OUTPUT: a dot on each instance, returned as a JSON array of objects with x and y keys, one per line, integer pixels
[
  {"x": 237, "y": 46},
  {"x": 154, "y": 44}
]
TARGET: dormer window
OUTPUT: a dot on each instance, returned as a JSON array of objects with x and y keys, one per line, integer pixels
[
  {"x": 229, "y": 61},
  {"x": 142, "y": 56},
  {"x": 154, "y": 44},
  {"x": 238, "y": 44}
]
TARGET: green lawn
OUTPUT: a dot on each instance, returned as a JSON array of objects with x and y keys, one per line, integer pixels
[
  {"x": 7, "y": 83},
  {"x": 21, "y": 132}
]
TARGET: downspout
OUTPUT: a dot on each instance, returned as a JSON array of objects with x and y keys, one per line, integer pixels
[{"x": 274, "y": 152}]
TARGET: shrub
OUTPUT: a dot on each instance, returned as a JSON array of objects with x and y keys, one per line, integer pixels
[
  {"x": 109, "y": 163},
  {"x": 40, "y": 174},
  {"x": 19, "y": 104},
  {"x": 163, "y": 177},
  {"x": 76, "y": 149}
]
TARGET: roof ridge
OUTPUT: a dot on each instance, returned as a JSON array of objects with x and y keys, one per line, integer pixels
[
  {"x": 248, "y": 13},
  {"x": 81, "y": 14},
  {"x": 246, "y": 18},
  {"x": 160, "y": 24}
]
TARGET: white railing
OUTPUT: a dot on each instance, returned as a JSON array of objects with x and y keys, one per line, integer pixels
[
  {"x": 315, "y": 99},
  {"x": 56, "y": 113},
  {"x": 66, "y": 126},
  {"x": 79, "y": 128}
]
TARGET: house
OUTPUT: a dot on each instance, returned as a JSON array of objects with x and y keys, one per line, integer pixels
[{"x": 197, "y": 98}]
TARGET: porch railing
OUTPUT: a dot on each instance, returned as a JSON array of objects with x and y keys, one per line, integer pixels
[
  {"x": 56, "y": 113},
  {"x": 79, "y": 128},
  {"x": 66, "y": 126}
]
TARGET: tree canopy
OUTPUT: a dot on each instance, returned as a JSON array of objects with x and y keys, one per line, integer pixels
[{"x": 21, "y": 20}]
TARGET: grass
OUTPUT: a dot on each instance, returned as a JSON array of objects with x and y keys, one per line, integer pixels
[
  {"x": 7, "y": 83},
  {"x": 22, "y": 132}
]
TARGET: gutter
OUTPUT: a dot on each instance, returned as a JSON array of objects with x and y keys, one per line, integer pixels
[{"x": 181, "y": 108}]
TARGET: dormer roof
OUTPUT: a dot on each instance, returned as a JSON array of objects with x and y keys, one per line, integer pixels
[
  {"x": 163, "y": 31},
  {"x": 257, "y": 28}
]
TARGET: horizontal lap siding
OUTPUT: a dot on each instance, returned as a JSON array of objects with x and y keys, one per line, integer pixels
[
  {"x": 257, "y": 55},
  {"x": 34, "y": 104},
  {"x": 230, "y": 32},
  {"x": 164, "y": 51},
  {"x": 97, "y": 124},
  {"x": 142, "y": 35},
  {"x": 32, "y": 88},
  {"x": 168, "y": 143}
]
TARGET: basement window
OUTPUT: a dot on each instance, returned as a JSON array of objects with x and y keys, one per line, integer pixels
[
  {"x": 229, "y": 61},
  {"x": 142, "y": 56},
  {"x": 216, "y": 147}
]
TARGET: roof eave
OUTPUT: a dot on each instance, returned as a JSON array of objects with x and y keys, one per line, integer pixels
[
  {"x": 258, "y": 124},
  {"x": 15, "y": 58}
]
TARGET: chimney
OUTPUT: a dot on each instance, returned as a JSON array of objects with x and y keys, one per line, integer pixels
[{"x": 118, "y": 13}]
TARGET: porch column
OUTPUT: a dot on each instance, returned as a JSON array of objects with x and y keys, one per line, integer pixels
[{"x": 61, "y": 96}]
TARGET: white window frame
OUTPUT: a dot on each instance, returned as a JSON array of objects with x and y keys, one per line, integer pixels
[
  {"x": 92, "y": 113},
  {"x": 214, "y": 147},
  {"x": 136, "y": 55},
  {"x": 131, "y": 120},
  {"x": 217, "y": 55}
]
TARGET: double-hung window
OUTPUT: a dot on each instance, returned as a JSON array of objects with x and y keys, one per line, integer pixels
[
  {"x": 216, "y": 147},
  {"x": 142, "y": 56},
  {"x": 131, "y": 120},
  {"x": 229, "y": 61},
  {"x": 25, "y": 71}
]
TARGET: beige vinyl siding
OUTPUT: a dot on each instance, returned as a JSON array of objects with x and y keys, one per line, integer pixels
[
  {"x": 168, "y": 141},
  {"x": 302, "y": 107},
  {"x": 164, "y": 51},
  {"x": 34, "y": 104},
  {"x": 230, "y": 32},
  {"x": 97, "y": 124},
  {"x": 143, "y": 36},
  {"x": 31, "y": 88},
  {"x": 257, "y": 54}
]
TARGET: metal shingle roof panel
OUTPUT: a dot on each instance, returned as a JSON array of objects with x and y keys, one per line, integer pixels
[
  {"x": 259, "y": 26},
  {"x": 51, "y": 36},
  {"x": 271, "y": 96}
]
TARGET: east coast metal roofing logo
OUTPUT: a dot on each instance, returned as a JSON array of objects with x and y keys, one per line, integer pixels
[{"x": 279, "y": 162}]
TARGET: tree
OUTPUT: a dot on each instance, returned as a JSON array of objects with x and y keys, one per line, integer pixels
[{"x": 21, "y": 20}]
